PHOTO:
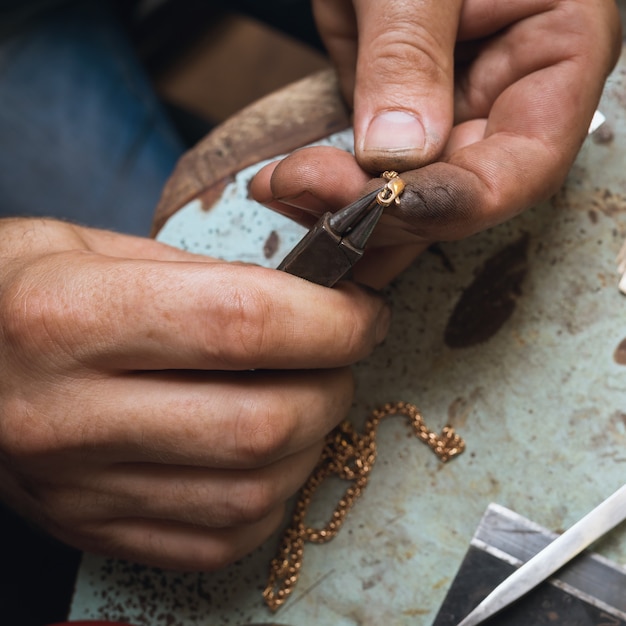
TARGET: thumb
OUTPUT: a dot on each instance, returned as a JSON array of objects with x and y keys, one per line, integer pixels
[{"x": 403, "y": 95}]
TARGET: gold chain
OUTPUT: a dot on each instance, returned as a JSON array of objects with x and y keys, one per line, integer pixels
[{"x": 350, "y": 456}]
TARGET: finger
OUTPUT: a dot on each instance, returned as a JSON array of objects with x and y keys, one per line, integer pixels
[
  {"x": 336, "y": 23},
  {"x": 465, "y": 134},
  {"x": 485, "y": 183},
  {"x": 484, "y": 18},
  {"x": 453, "y": 200},
  {"x": 172, "y": 545},
  {"x": 134, "y": 314},
  {"x": 34, "y": 237},
  {"x": 131, "y": 247},
  {"x": 211, "y": 498},
  {"x": 551, "y": 38},
  {"x": 380, "y": 266},
  {"x": 403, "y": 97},
  {"x": 314, "y": 180},
  {"x": 227, "y": 421},
  {"x": 533, "y": 133},
  {"x": 311, "y": 180}
]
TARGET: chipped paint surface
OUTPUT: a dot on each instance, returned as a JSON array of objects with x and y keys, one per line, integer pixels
[{"x": 540, "y": 401}]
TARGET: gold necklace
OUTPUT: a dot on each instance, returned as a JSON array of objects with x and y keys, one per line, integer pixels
[{"x": 349, "y": 456}]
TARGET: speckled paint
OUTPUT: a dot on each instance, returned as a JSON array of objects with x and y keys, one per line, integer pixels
[{"x": 540, "y": 400}]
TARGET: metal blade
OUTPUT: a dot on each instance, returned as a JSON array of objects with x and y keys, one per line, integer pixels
[{"x": 564, "y": 548}]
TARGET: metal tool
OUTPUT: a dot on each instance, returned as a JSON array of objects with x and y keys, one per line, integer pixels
[
  {"x": 572, "y": 542},
  {"x": 328, "y": 252}
]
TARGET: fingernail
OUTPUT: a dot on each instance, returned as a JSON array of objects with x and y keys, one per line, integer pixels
[{"x": 394, "y": 130}]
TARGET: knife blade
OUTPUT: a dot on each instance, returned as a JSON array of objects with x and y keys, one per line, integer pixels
[{"x": 563, "y": 549}]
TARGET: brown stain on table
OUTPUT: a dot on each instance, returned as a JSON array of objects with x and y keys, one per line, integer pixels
[
  {"x": 271, "y": 245},
  {"x": 489, "y": 301},
  {"x": 620, "y": 353}
]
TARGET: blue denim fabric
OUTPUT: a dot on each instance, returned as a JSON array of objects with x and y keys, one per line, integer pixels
[{"x": 82, "y": 135}]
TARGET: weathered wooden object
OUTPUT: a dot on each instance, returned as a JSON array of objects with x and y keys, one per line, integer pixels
[{"x": 289, "y": 118}]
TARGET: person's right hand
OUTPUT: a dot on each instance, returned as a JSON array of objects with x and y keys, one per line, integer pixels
[
  {"x": 480, "y": 105},
  {"x": 160, "y": 406}
]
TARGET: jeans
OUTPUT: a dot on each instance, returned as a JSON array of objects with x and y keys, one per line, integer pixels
[{"x": 82, "y": 135}]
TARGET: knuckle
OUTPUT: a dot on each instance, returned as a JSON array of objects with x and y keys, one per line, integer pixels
[
  {"x": 262, "y": 431},
  {"x": 354, "y": 339},
  {"x": 339, "y": 392},
  {"x": 33, "y": 312},
  {"x": 252, "y": 501},
  {"x": 477, "y": 96},
  {"x": 21, "y": 315},
  {"x": 592, "y": 30},
  {"x": 244, "y": 317},
  {"x": 23, "y": 434},
  {"x": 65, "y": 507},
  {"x": 215, "y": 558},
  {"x": 409, "y": 47}
]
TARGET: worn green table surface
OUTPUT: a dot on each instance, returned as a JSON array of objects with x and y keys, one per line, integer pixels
[{"x": 513, "y": 336}]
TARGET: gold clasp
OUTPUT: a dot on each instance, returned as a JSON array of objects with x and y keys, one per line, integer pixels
[{"x": 392, "y": 191}]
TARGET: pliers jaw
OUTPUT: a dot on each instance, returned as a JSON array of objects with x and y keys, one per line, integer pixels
[{"x": 328, "y": 252}]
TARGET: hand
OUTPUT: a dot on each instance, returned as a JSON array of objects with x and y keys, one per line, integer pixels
[
  {"x": 497, "y": 139},
  {"x": 160, "y": 406}
]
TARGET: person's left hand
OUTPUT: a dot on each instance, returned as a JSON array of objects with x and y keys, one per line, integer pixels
[
  {"x": 161, "y": 406},
  {"x": 482, "y": 106}
]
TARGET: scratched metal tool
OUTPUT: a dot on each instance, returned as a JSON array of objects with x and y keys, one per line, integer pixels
[
  {"x": 587, "y": 591},
  {"x": 329, "y": 250},
  {"x": 564, "y": 548}
]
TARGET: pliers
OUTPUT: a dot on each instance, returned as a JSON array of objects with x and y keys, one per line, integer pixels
[{"x": 327, "y": 253}]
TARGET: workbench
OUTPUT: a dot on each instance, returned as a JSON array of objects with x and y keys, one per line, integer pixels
[{"x": 516, "y": 337}]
